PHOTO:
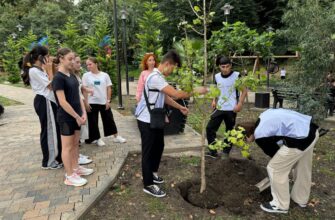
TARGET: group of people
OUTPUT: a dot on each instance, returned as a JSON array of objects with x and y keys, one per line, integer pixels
[
  {"x": 67, "y": 105},
  {"x": 64, "y": 103},
  {"x": 288, "y": 137}
]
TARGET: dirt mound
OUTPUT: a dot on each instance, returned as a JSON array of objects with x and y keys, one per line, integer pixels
[{"x": 230, "y": 183}]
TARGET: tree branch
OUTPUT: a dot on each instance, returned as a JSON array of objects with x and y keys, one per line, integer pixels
[
  {"x": 196, "y": 13},
  {"x": 196, "y": 31}
]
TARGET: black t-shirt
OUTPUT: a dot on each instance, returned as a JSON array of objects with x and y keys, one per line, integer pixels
[{"x": 69, "y": 84}]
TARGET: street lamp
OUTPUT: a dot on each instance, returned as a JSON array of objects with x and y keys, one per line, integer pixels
[
  {"x": 14, "y": 36},
  {"x": 124, "y": 14},
  {"x": 226, "y": 10},
  {"x": 270, "y": 29},
  {"x": 19, "y": 27},
  {"x": 85, "y": 26},
  {"x": 117, "y": 57}
]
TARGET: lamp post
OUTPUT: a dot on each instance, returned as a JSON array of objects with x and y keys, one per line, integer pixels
[
  {"x": 226, "y": 10},
  {"x": 117, "y": 57},
  {"x": 14, "y": 36},
  {"x": 124, "y": 18},
  {"x": 85, "y": 26},
  {"x": 269, "y": 29},
  {"x": 19, "y": 27}
]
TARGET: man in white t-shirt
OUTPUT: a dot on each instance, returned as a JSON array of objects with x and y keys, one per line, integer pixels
[
  {"x": 159, "y": 92},
  {"x": 282, "y": 73}
]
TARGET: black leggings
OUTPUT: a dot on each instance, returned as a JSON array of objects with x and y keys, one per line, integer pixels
[
  {"x": 229, "y": 118},
  {"x": 93, "y": 122}
]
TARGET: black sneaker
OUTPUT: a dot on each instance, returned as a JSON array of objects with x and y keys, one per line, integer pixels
[
  {"x": 53, "y": 166},
  {"x": 154, "y": 190},
  {"x": 157, "y": 179},
  {"x": 272, "y": 209},
  {"x": 212, "y": 154}
]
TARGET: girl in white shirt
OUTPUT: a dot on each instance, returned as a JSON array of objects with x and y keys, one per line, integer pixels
[
  {"x": 44, "y": 104},
  {"x": 99, "y": 101}
]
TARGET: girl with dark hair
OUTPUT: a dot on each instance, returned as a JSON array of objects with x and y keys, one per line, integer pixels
[
  {"x": 44, "y": 104},
  {"x": 70, "y": 116},
  {"x": 149, "y": 62},
  {"x": 99, "y": 102}
]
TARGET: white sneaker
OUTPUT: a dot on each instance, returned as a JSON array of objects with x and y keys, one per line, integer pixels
[
  {"x": 82, "y": 171},
  {"x": 82, "y": 155},
  {"x": 100, "y": 143},
  {"x": 84, "y": 160},
  {"x": 119, "y": 139},
  {"x": 74, "y": 180}
]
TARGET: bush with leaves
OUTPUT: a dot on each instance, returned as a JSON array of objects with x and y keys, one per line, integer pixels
[{"x": 10, "y": 59}]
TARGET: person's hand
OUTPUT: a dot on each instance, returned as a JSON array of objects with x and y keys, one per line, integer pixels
[
  {"x": 80, "y": 121},
  {"x": 200, "y": 90},
  {"x": 184, "y": 110},
  {"x": 88, "y": 107},
  {"x": 84, "y": 117},
  {"x": 213, "y": 104},
  {"x": 108, "y": 106},
  {"x": 89, "y": 90},
  {"x": 238, "y": 107}
]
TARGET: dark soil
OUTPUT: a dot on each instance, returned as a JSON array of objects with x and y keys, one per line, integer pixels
[{"x": 231, "y": 184}]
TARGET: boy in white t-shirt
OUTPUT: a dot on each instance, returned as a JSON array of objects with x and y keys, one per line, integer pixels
[{"x": 159, "y": 92}]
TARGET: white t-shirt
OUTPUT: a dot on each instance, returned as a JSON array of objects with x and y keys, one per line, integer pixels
[
  {"x": 228, "y": 96},
  {"x": 282, "y": 72},
  {"x": 283, "y": 122},
  {"x": 154, "y": 81},
  {"x": 39, "y": 82},
  {"x": 99, "y": 83}
]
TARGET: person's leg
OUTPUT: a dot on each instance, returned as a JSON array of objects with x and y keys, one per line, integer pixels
[
  {"x": 303, "y": 175},
  {"x": 41, "y": 110},
  {"x": 229, "y": 118},
  {"x": 75, "y": 155},
  {"x": 158, "y": 149},
  {"x": 212, "y": 127},
  {"x": 147, "y": 142},
  {"x": 108, "y": 122},
  {"x": 59, "y": 140},
  {"x": 67, "y": 153},
  {"x": 93, "y": 124},
  {"x": 278, "y": 169}
]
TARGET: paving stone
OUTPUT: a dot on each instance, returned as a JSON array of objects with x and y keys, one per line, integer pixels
[
  {"x": 31, "y": 214},
  {"x": 40, "y": 198},
  {"x": 56, "y": 216},
  {"x": 64, "y": 207},
  {"x": 42, "y": 205}
]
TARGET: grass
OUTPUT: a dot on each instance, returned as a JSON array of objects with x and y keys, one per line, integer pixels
[
  {"x": 8, "y": 102},
  {"x": 193, "y": 161},
  {"x": 156, "y": 205}
]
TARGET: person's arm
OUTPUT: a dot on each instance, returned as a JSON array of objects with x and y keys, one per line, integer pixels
[
  {"x": 240, "y": 101},
  {"x": 269, "y": 145},
  {"x": 140, "y": 87},
  {"x": 84, "y": 114},
  {"x": 68, "y": 108},
  {"x": 109, "y": 95},
  {"x": 179, "y": 94},
  {"x": 171, "y": 102},
  {"x": 85, "y": 84}
]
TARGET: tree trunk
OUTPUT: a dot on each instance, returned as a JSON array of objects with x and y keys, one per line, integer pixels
[
  {"x": 203, "y": 148},
  {"x": 205, "y": 42}
]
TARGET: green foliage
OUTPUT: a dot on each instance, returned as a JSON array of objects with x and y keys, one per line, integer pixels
[
  {"x": 310, "y": 26},
  {"x": 234, "y": 137},
  {"x": 52, "y": 43},
  {"x": 149, "y": 38},
  {"x": 26, "y": 41},
  {"x": 93, "y": 46},
  {"x": 71, "y": 36},
  {"x": 238, "y": 39},
  {"x": 10, "y": 58}
]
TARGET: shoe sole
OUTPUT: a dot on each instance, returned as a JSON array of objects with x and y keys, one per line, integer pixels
[
  {"x": 85, "y": 163},
  {"x": 158, "y": 196},
  {"x": 273, "y": 211},
  {"x": 85, "y": 174},
  {"x": 73, "y": 184},
  {"x": 51, "y": 168},
  {"x": 159, "y": 182},
  {"x": 119, "y": 142}
]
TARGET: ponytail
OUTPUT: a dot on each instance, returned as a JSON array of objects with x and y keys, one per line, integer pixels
[{"x": 30, "y": 59}]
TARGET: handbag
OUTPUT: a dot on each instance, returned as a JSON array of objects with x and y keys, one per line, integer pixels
[{"x": 157, "y": 115}]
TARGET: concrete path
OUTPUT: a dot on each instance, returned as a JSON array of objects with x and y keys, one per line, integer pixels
[{"x": 28, "y": 192}]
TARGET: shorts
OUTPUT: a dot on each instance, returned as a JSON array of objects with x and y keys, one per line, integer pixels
[{"x": 67, "y": 128}]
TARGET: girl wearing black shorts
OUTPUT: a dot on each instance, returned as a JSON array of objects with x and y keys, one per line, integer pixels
[{"x": 71, "y": 115}]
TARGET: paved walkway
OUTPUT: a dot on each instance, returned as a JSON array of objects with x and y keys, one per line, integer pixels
[{"x": 28, "y": 192}]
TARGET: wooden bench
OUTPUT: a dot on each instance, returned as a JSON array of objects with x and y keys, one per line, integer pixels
[{"x": 280, "y": 94}]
